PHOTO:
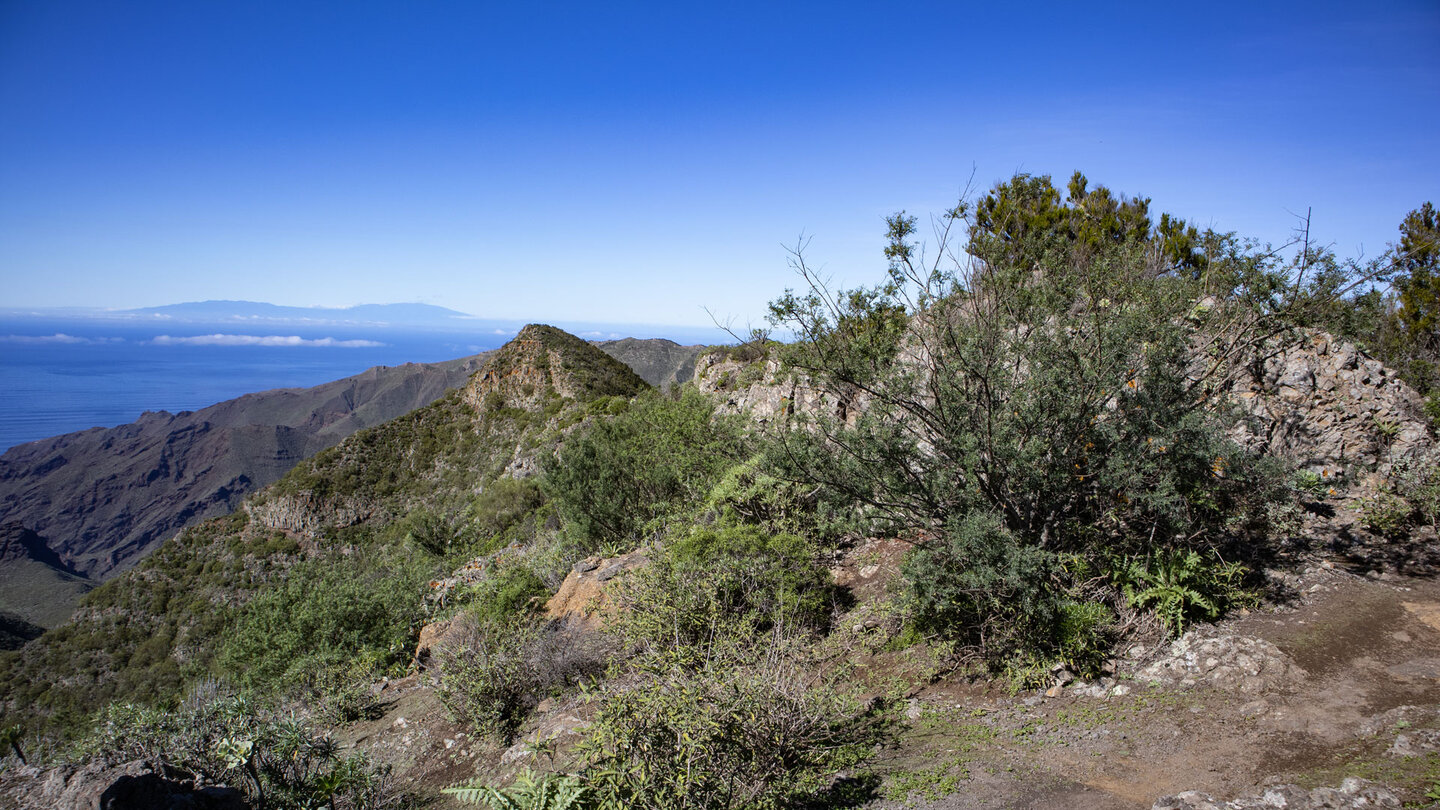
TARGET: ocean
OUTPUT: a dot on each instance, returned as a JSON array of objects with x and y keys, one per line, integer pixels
[{"x": 61, "y": 375}]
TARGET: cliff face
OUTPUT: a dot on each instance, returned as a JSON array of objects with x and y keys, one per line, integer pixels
[
  {"x": 36, "y": 587},
  {"x": 103, "y": 498},
  {"x": 1318, "y": 402},
  {"x": 1329, "y": 406}
]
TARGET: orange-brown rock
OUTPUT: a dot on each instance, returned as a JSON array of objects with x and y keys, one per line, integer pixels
[{"x": 581, "y": 597}]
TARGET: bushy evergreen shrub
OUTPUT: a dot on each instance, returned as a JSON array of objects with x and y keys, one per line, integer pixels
[
  {"x": 617, "y": 475},
  {"x": 327, "y": 612},
  {"x": 494, "y": 672},
  {"x": 219, "y": 737},
  {"x": 759, "y": 730},
  {"x": 1038, "y": 397},
  {"x": 713, "y": 585}
]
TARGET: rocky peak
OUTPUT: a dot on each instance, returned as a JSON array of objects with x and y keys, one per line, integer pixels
[
  {"x": 20, "y": 543},
  {"x": 543, "y": 362}
]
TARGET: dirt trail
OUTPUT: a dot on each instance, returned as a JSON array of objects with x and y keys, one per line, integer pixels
[{"x": 1370, "y": 651}]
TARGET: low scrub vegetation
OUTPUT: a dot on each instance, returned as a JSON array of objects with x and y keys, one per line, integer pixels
[{"x": 217, "y": 737}]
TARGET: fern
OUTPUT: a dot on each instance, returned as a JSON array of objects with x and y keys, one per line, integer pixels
[
  {"x": 549, "y": 792},
  {"x": 1180, "y": 586}
]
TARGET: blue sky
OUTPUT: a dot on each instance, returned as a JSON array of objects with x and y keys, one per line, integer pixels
[{"x": 638, "y": 162}]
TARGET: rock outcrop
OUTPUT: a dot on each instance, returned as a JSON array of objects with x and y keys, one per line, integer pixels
[
  {"x": 305, "y": 513},
  {"x": 1331, "y": 408},
  {"x": 581, "y": 598},
  {"x": 1234, "y": 663},
  {"x": 1353, "y": 794}
]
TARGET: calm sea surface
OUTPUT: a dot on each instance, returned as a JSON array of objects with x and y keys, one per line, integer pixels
[
  {"x": 59, "y": 376},
  {"x": 62, "y": 376}
]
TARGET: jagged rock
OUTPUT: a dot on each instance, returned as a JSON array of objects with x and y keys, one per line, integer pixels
[
  {"x": 581, "y": 597},
  {"x": 759, "y": 389},
  {"x": 1331, "y": 408},
  {"x": 95, "y": 784},
  {"x": 304, "y": 513},
  {"x": 1400, "y": 717},
  {"x": 1415, "y": 743},
  {"x": 1236, "y": 663},
  {"x": 1353, "y": 794},
  {"x": 431, "y": 635},
  {"x": 151, "y": 792},
  {"x": 553, "y": 732}
]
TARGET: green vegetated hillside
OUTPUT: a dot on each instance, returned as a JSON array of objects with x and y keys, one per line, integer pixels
[
  {"x": 339, "y": 557},
  {"x": 1047, "y": 427}
]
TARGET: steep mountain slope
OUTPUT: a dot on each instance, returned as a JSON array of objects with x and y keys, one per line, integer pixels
[
  {"x": 38, "y": 588},
  {"x": 15, "y": 631},
  {"x": 348, "y": 536},
  {"x": 660, "y": 362},
  {"x": 103, "y": 498}
]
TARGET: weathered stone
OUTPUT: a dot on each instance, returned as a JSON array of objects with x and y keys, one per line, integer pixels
[
  {"x": 581, "y": 596},
  {"x": 1240, "y": 663},
  {"x": 1353, "y": 794}
]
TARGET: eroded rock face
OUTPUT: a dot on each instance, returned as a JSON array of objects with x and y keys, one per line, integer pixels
[
  {"x": 1319, "y": 401},
  {"x": 763, "y": 391},
  {"x": 581, "y": 598},
  {"x": 1330, "y": 407},
  {"x": 304, "y": 513},
  {"x": 1236, "y": 663},
  {"x": 1352, "y": 794},
  {"x": 129, "y": 786}
]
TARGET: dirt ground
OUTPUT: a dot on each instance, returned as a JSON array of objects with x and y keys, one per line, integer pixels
[{"x": 1370, "y": 651}]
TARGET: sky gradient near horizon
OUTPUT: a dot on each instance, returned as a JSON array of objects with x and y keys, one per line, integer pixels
[{"x": 640, "y": 162}]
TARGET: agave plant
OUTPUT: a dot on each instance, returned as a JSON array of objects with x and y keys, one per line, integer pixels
[{"x": 549, "y": 792}]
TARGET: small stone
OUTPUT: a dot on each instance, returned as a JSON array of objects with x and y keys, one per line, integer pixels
[{"x": 1119, "y": 690}]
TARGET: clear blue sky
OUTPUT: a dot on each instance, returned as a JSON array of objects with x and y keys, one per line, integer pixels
[{"x": 630, "y": 162}]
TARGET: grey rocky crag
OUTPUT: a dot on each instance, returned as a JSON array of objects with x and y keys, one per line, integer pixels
[
  {"x": 1353, "y": 794},
  {"x": 1331, "y": 408},
  {"x": 1230, "y": 662},
  {"x": 1315, "y": 400}
]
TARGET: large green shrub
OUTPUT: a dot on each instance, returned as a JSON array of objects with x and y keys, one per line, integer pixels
[
  {"x": 981, "y": 584},
  {"x": 743, "y": 733},
  {"x": 328, "y": 611},
  {"x": 716, "y": 584},
  {"x": 1045, "y": 399},
  {"x": 617, "y": 475}
]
